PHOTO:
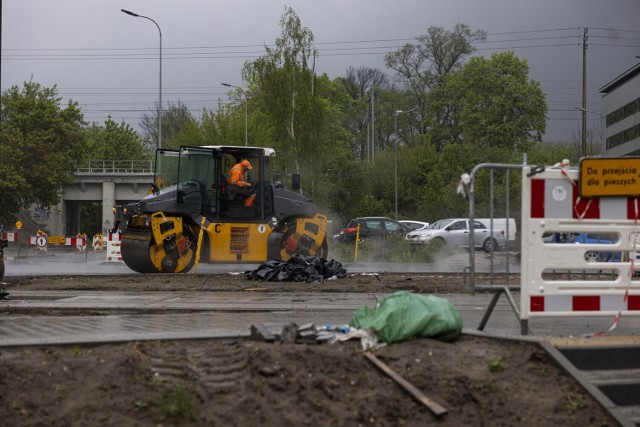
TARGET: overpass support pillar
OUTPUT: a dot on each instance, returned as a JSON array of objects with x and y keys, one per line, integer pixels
[
  {"x": 108, "y": 202},
  {"x": 57, "y": 219}
]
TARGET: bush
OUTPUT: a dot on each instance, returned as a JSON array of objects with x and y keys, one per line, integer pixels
[{"x": 392, "y": 249}]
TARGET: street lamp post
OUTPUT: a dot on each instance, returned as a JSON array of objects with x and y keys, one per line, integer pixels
[
  {"x": 244, "y": 93},
  {"x": 395, "y": 154},
  {"x": 395, "y": 157},
  {"x": 602, "y": 138},
  {"x": 160, "y": 79}
]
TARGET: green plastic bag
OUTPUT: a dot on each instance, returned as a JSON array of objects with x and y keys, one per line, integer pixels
[{"x": 403, "y": 315}]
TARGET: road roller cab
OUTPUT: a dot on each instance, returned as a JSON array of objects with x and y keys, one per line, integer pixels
[{"x": 195, "y": 212}]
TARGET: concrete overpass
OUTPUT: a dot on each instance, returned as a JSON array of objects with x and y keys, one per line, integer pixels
[{"x": 106, "y": 181}]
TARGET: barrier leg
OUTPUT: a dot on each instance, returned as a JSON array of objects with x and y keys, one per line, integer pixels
[
  {"x": 487, "y": 313},
  {"x": 494, "y": 301}
]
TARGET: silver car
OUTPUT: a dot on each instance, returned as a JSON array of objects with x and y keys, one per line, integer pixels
[{"x": 455, "y": 232}]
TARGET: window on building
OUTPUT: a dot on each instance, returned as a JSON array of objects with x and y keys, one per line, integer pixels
[{"x": 623, "y": 112}]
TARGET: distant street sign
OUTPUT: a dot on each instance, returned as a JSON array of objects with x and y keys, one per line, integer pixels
[
  {"x": 610, "y": 177},
  {"x": 41, "y": 241}
]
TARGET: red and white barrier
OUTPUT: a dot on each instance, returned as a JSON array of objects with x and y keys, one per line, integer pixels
[
  {"x": 558, "y": 198},
  {"x": 10, "y": 237},
  {"x": 98, "y": 243},
  {"x": 113, "y": 247},
  {"x": 551, "y": 203},
  {"x": 79, "y": 242},
  {"x": 41, "y": 242}
]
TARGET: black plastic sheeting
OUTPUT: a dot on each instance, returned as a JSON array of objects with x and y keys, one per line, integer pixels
[{"x": 297, "y": 269}]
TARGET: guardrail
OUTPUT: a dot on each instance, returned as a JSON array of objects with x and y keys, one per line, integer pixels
[{"x": 116, "y": 167}]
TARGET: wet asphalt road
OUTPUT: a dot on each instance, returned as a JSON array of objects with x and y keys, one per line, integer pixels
[
  {"x": 176, "y": 315},
  {"x": 96, "y": 263}
]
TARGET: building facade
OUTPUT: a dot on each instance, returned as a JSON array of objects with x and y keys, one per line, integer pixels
[{"x": 621, "y": 114}]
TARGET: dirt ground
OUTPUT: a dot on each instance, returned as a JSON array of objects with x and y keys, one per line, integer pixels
[
  {"x": 382, "y": 282},
  {"x": 238, "y": 382}
]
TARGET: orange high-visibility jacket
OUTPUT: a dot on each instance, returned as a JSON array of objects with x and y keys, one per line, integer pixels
[{"x": 237, "y": 176}]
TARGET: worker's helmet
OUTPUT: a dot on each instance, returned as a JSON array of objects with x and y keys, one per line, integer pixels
[{"x": 246, "y": 164}]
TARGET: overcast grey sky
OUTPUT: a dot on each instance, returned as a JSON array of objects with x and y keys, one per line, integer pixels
[{"x": 108, "y": 61}]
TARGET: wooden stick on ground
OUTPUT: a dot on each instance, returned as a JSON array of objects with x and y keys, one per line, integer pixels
[{"x": 435, "y": 408}]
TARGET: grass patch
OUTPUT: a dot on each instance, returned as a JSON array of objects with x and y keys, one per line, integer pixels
[
  {"x": 484, "y": 388},
  {"x": 178, "y": 402},
  {"x": 576, "y": 404},
  {"x": 140, "y": 405},
  {"x": 75, "y": 350},
  {"x": 497, "y": 364},
  {"x": 393, "y": 249}
]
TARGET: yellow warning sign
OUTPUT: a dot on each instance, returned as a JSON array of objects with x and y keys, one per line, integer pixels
[{"x": 612, "y": 177}]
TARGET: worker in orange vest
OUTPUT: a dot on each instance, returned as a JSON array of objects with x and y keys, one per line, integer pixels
[{"x": 238, "y": 184}]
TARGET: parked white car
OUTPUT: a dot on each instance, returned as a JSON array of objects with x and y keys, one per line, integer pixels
[
  {"x": 502, "y": 224},
  {"x": 414, "y": 225},
  {"x": 455, "y": 232}
]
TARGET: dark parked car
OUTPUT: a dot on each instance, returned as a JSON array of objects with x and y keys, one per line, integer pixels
[{"x": 373, "y": 227}]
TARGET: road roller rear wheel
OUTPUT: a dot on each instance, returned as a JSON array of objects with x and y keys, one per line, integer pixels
[{"x": 289, "y": 246}]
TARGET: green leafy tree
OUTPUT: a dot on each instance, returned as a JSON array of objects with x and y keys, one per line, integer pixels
[
  {"x": 551, "y": 153},
  {"x": 298, "y": 113},
  {"x": 114, "y": 141},
  {"x": 190, "y": 134},
  {"x": 284, "y": 83},
  {"x": 40, "y": 145},
  {"x": 488, "y": 111},
  {"x": 109, "y": 142},
  {"x": 215, "y": 126},
  {"x": 491, "y": 101}
]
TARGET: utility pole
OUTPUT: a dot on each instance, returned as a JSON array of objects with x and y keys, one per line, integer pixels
[
  {"x": 395, "y": 153},
  {"x": 367, "y": 155},
  {"x": 585, "y": 37},
  {"x": 368, "y": 143},
  {"x": 373, "y": 126},
  {"x": 395, "y": 158}
]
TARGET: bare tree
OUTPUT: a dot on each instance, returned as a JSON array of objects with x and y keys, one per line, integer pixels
[
  {"x": 174, "y": 118},
  {"x": 436, "y": 54},
  {"x": 421, "y": 66},
  {"x": 594, "y": 143},
  {"x": 358, "y": 83}
]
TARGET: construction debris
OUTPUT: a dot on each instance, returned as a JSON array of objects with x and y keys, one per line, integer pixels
[
  {"x": 298, "y": 268},
  {"x": 260, "y": 332},
  {"x": 435, "y": 408}
]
